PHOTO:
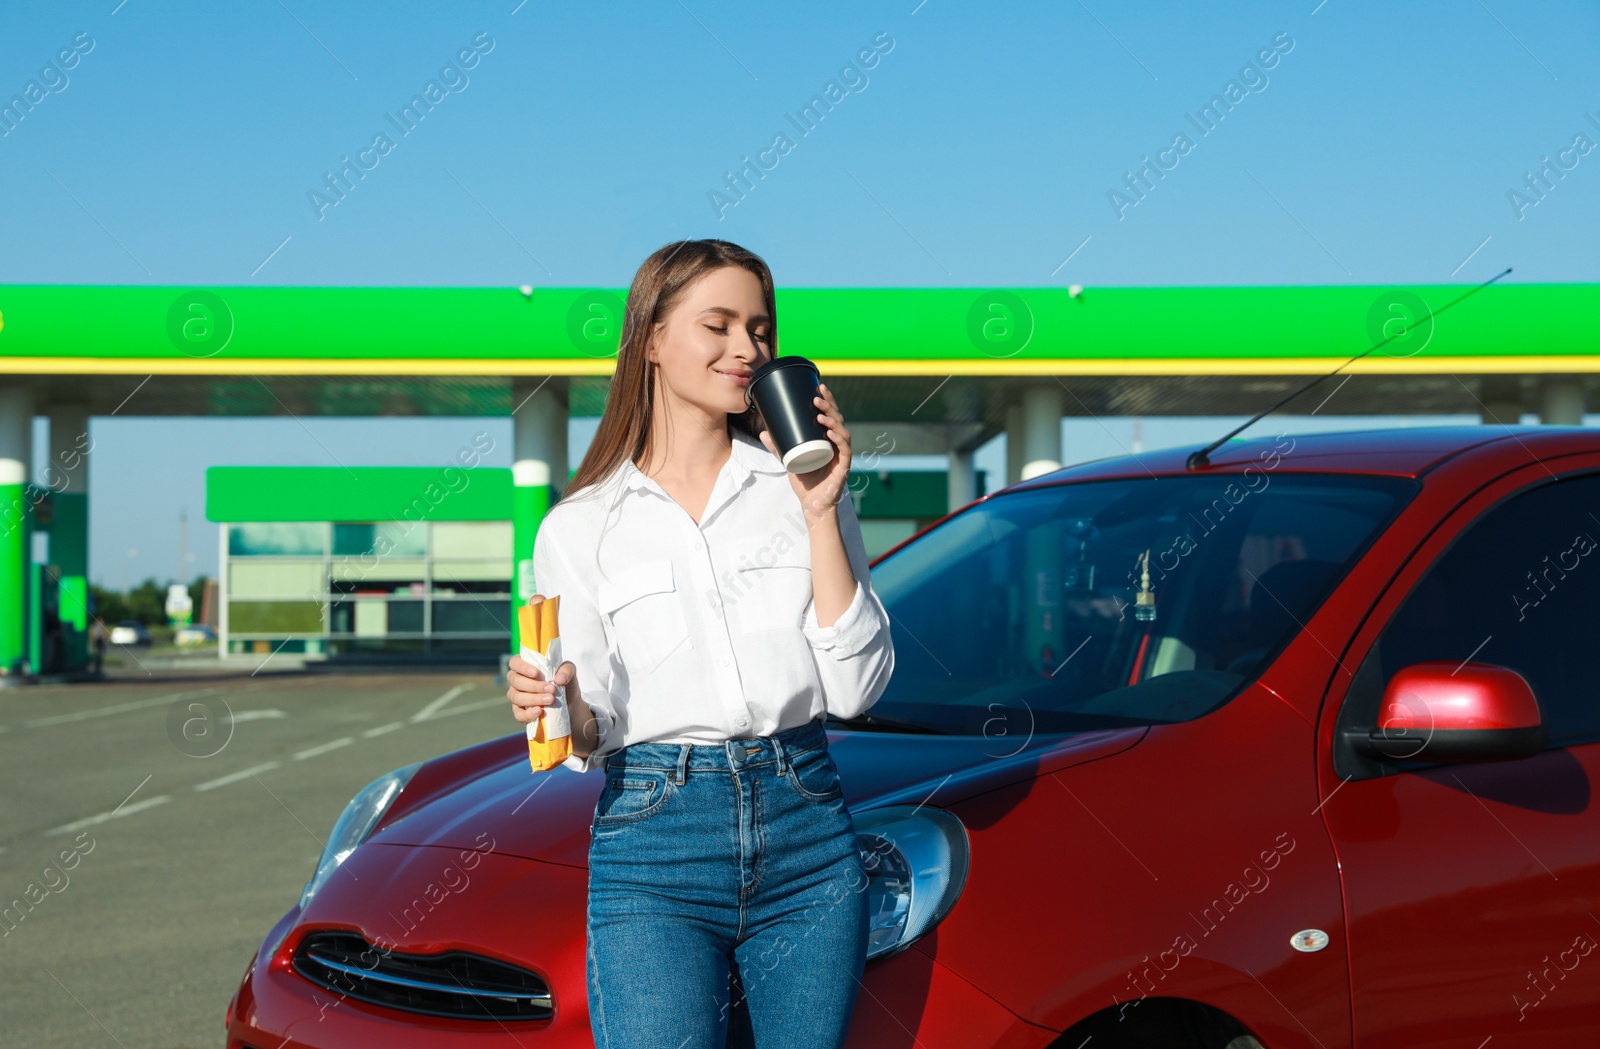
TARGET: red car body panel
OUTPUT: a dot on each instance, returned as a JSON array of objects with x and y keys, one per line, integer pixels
[
  {"x": 1171, "y": 902},
  {"x": 1108, "y": 868},
  {"x": 538, "y": 909},
  {"x": 880, "y": 769},
  {"x": 1462, "y": 882}
]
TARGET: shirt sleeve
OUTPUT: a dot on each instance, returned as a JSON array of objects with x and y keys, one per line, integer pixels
[
  {"x": 583, "y": 641},
  {"x": 855, "y": 656}
]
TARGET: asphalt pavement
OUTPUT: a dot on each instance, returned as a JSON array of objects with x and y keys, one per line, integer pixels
[{"x": 154, "y": 826}]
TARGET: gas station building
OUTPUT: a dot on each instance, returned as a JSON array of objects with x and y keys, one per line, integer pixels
[{"x": 426, "y": 561}]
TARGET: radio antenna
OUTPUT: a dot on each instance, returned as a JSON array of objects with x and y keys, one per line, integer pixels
[{"x": 1202, "y": 457}]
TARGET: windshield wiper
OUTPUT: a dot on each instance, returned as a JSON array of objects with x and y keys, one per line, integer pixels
[{"x": 885, "y": 724}]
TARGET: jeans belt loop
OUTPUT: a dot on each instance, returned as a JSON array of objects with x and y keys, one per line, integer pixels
[
  {"x": 778, "y": 753},
  {"x": 683, "y": 760}
]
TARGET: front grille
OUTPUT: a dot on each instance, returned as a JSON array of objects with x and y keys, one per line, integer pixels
[{"x": 454, "y": 984}]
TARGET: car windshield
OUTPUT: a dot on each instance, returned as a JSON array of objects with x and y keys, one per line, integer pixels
[{"x": 1113, "y": 603}]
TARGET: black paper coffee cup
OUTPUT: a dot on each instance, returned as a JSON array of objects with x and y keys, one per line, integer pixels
[{"x": 783, "y": 389}]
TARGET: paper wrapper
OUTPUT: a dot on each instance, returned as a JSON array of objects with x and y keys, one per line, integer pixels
[{"x": 549, "y": 736}]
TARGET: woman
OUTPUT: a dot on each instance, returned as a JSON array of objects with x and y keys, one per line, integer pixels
[{"x": 715, "y": 607}]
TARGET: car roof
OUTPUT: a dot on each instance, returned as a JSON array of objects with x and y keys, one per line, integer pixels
[{"x": 1395, "y": 451}]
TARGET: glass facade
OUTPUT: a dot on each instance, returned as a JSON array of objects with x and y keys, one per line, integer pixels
[{"x": 335, "y": 588}]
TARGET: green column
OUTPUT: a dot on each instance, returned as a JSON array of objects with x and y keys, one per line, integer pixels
[
  {"x": 69, "y": 552},
  {"x": 66, "y": 474},
  {"x": 14, "y": 524},
  {"x": 16, "y": 422}
]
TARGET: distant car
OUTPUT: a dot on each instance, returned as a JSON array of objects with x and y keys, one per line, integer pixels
[
  {"x": 130, "y": 632},
  {"x": 195, "y": 634}
]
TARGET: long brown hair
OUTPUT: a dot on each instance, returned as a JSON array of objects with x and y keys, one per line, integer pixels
[{"x": 658, "y": 286}]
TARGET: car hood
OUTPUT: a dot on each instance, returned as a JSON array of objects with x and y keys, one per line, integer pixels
[{"x": 546, "y": 816}]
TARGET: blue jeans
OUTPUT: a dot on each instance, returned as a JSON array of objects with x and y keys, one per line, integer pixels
[{"x": 727, "y": 897}]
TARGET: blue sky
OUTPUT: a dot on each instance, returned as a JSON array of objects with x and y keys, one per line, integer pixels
[{"x": 981, "y": 149}]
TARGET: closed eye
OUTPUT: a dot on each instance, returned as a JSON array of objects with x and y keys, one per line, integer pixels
[{"x": 723, "y": 331}]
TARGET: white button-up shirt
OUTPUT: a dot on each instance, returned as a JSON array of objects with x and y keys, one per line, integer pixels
[{"x": 685, "y": 633}]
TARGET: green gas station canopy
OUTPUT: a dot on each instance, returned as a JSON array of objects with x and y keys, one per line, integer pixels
[
  {"x": 974, "y": 331},
  {"x": 956, "y": 356}
]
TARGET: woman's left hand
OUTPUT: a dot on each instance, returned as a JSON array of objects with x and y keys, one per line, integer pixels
[{"x": 820, "y": 489}]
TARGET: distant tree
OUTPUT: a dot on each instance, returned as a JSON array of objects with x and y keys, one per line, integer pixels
[
  {"x": 197, "y": 598},
  {"x": 109, "y": 605},
  {"x": 147, "y": 603}
]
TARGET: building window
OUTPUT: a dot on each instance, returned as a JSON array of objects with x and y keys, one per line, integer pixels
[{"x": 278, "y": 538}]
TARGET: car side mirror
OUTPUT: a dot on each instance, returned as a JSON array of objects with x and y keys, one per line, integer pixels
[{"x": 1455, "y": 712}]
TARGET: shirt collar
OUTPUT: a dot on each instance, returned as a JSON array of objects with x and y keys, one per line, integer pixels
[{"x": 749, "y": 456}]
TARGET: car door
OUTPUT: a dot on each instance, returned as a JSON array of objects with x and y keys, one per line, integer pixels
[{"x": 1472, "y": 891}]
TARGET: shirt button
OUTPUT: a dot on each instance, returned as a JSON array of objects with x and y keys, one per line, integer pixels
[
  {"x": 724, "y": 660},
  {"x": 742, "y": 722}
]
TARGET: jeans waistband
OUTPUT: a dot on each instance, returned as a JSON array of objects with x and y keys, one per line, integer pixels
[{"x": 738, "y": 753}]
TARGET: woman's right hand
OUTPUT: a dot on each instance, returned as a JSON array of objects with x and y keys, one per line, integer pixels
[{"x": 529, "y": 692}]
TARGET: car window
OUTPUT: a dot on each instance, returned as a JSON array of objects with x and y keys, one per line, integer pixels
[
  {"x": 1520, "y": 588},
  {"x": 1027, "y": 605}
]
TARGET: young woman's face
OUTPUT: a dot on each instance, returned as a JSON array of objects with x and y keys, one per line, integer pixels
[{"x": 718, "y": 333}]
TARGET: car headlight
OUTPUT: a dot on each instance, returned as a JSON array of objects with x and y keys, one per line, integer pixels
[
  {"x": 916, "y": 860},
  {"x": 355, "y": 824}
]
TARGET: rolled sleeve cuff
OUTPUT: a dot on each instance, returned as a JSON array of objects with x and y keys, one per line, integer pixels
[
  {"x": 850, "y": 634},
  {"x": 596, "y": 757}
]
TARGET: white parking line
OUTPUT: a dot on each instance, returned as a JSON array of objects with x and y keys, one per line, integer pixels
[
  {"x": 114, "y": 814},
  {"x": 234, "y": 777},
  {"x": 470, "y": 707},
  {"x": 268, "y": 714},
  {"x": 85, "y": 715},
  {"x": 343, "y": 741},
  {"x": 432, "y": 708},
  {"x": 383, "y": 729}
]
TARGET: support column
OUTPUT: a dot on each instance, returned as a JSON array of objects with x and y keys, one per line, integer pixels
[
  {"x": 1014, "y": 442},
  {"x": 224, "y": 645},
  {"x": 963, "y": 480},
  {"x": 1040, "y": 598},
  {"x": 67, "y": 476},
  {"x": 1041, "y": 430},
  {"x": 16, "y": 426},
  {"x": 538, "y": 473},
  {"x": 1561, "y": 400},
  {"x": 1501, "y": 398}
]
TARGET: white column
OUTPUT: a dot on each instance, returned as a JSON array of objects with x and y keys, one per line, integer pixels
[
  {"x": 68, "y": 467},
  {"x": 538, "y": 470},
  {"x": 1041, "y": 430},
  {"x": 1500, "y": 397},
  {"x": 1561, "y": 400},
  {"x": 16, "y": 432},
  {"x": 539, "y": 432},
  {"x": 1501, "y": 413},
  {"x": 222, "y": 591},
  {"x": 1014, "y": 442},
  {"x": 963, "y": 480}
]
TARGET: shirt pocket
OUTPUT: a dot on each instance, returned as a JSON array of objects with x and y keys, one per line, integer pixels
[
  {"x": 646, "y": 616},
  {"x": 772, "y": 596}
]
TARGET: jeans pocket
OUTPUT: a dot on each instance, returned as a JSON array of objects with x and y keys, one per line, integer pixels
[
  {"x": 632, "y": 794},
  {"x": 814, "y": 775}
]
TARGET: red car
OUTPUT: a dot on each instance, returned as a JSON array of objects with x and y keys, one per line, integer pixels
[{"x": 1296, "y": 747}]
